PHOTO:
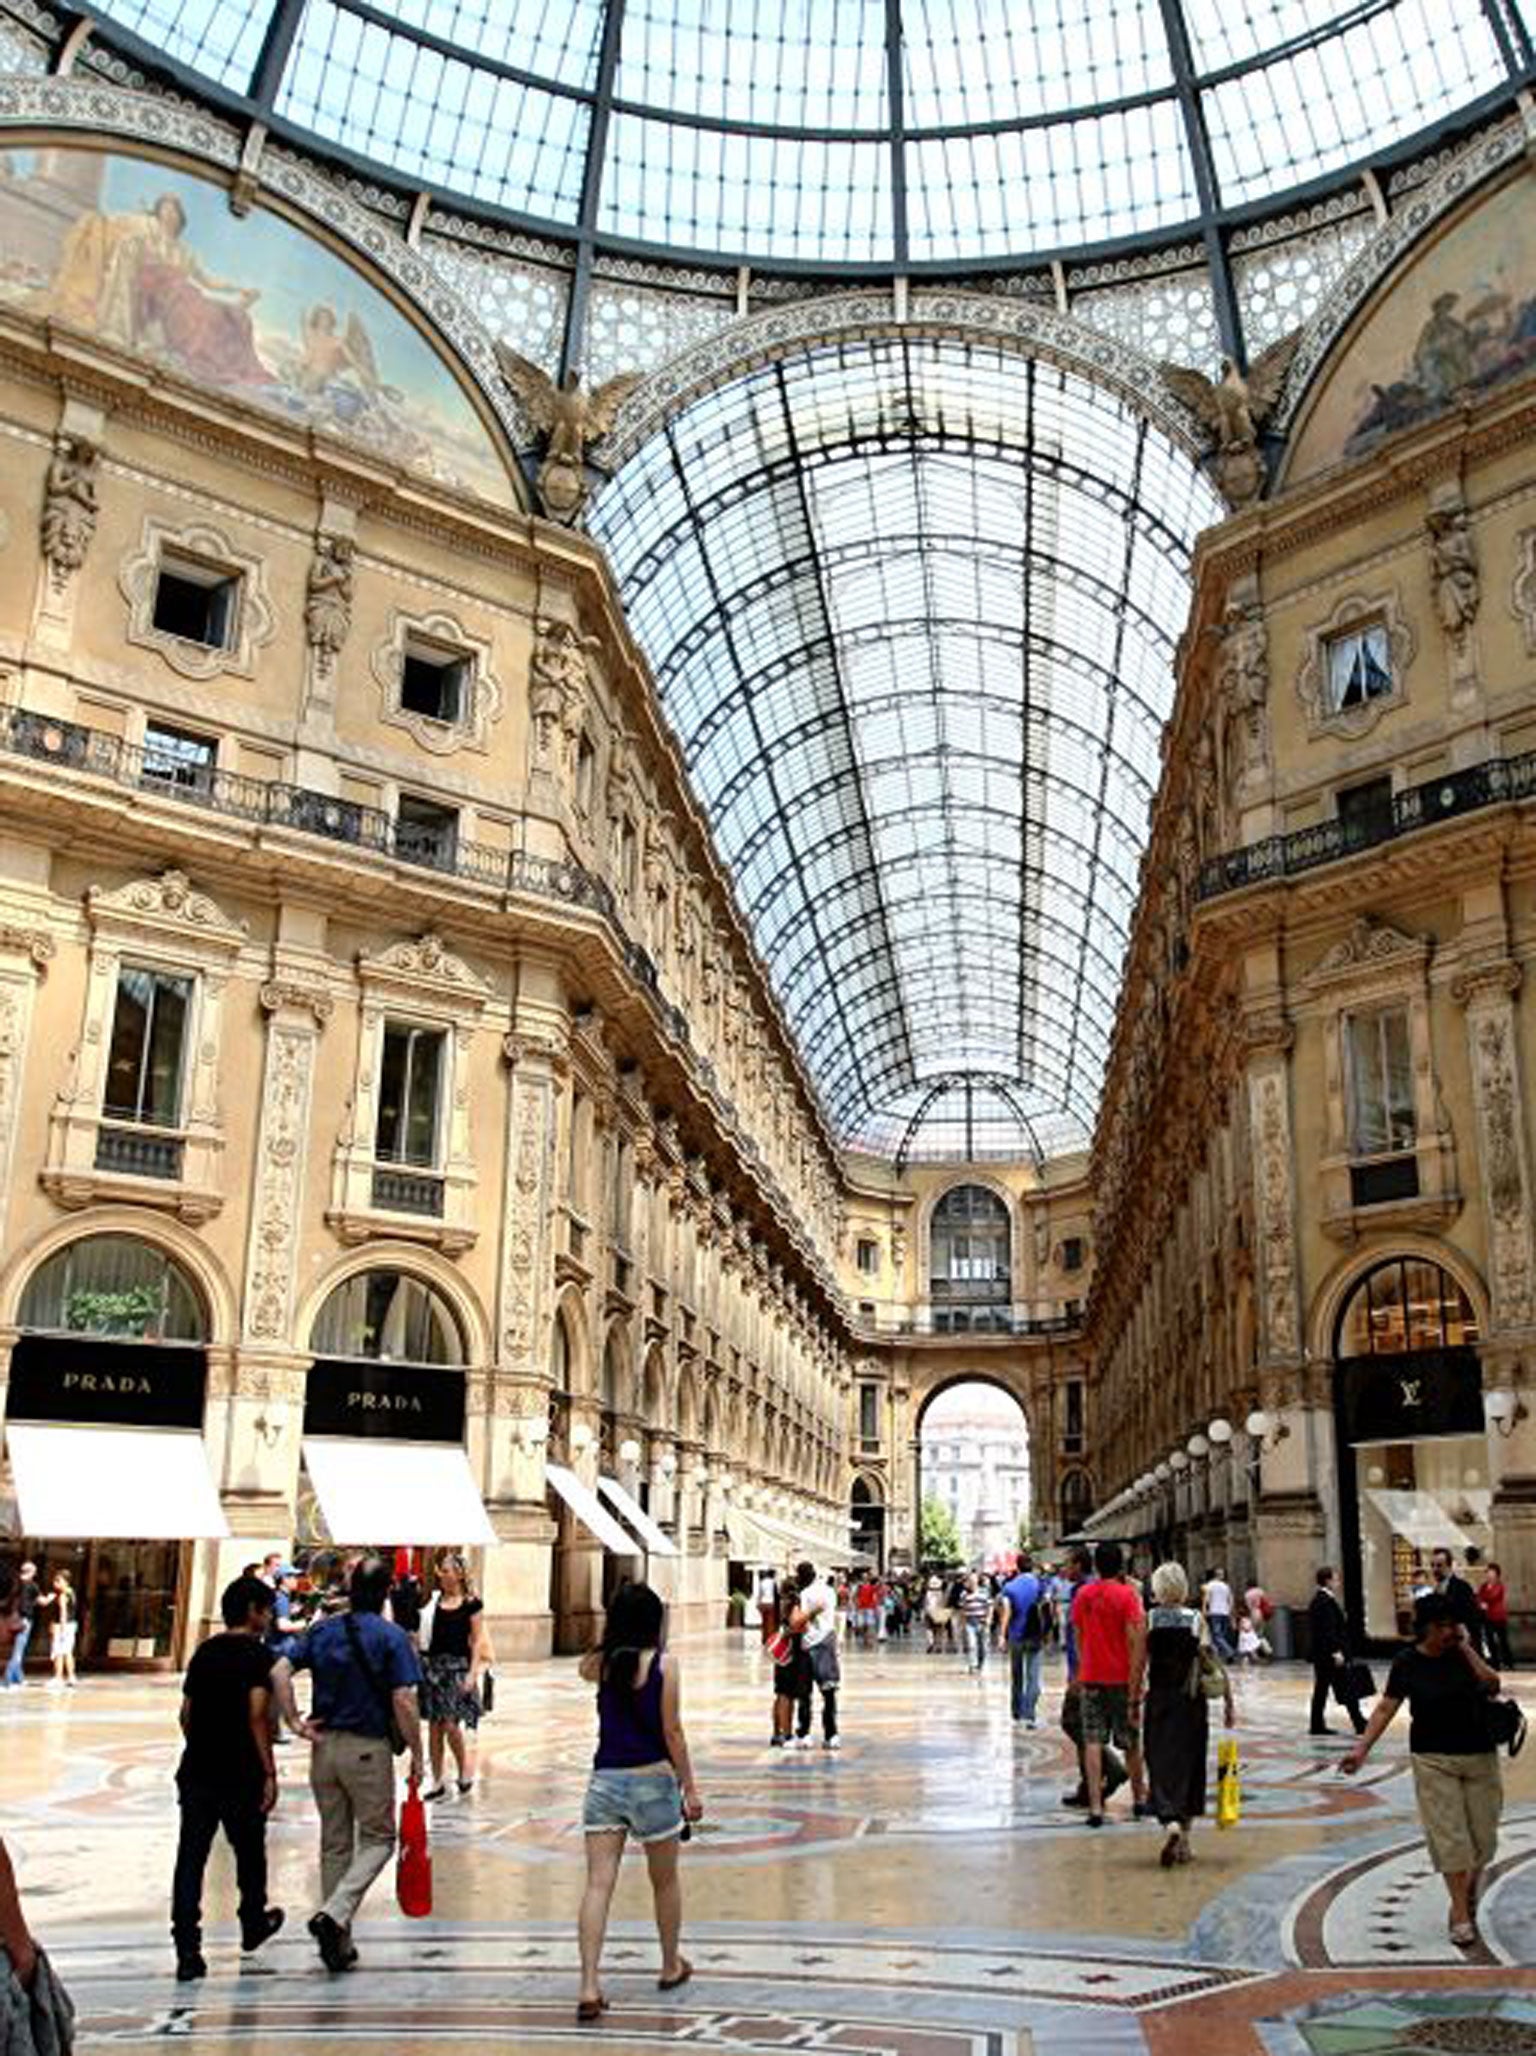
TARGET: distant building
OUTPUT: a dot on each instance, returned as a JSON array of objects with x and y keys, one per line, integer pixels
[{"x": 975, "y": 1461}]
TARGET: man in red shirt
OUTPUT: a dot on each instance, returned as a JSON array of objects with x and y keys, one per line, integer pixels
[{"x": 1109, "y": 1627}]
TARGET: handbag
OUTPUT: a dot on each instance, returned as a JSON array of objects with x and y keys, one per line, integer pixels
[
  {"x": 397, "y": 1742},
  {"x": 1207, "y": 1679},
  {"x": 488, "y": 1692},
  {"x": 1354, "y": 1682},
  {"x": 1506, "y": 1725},
  {"x": 782, "y": 1646},
  {"x": 413, "y": 1867}
]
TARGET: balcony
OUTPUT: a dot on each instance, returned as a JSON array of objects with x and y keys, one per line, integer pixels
[
  {"x": 1490, "y": 784},
  {"x": 138, "y": 1152},
  {"x": 396, "y": 1191}
]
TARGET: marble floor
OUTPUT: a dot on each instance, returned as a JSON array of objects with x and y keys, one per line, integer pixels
[{"x": 922, "y": 1893}]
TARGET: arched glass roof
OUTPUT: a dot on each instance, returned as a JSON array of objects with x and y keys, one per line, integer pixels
[
  {"x": 911, "y": 606},
  {"x": 851, "y": 132}
]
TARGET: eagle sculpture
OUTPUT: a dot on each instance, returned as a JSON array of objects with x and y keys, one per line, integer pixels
[
  {"x": 1235, "y": 408},
  {"x": 569, "y": 419}
]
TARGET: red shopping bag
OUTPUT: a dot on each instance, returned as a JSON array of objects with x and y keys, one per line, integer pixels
[{"x": 413, "y": 1871}]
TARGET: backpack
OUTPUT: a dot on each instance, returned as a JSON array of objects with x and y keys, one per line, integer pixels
[{"x": 1034, "y": 1622}]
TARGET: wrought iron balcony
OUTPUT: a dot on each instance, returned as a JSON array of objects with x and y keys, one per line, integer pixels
[
  {"x": 138, "y": 1152},
  {"x": 407, "y": 1192},
  {"x": 1489, "y": 784}
]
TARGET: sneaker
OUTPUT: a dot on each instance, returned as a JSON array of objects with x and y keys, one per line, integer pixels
[
  {"x": 252, "y": 1938},
  {"x": 776, "y": 1741},
  {"x": 437, "y": 1792},
  {"x": 833, "y": 1742},
  {"x": 190, "y": 1966},
  {"x": 336, "y": 1952}
]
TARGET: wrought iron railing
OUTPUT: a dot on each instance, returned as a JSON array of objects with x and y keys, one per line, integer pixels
[
  {"x": 407, "y": 1192},
  {"x": 979, "y": 1321},
  {"x": 1489, "y": 784},
  {"x": 138, "y": 1154}
]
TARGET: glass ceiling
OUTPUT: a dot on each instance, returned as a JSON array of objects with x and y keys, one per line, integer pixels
[
  {"x": 911, "y": 606},
  {"x": 851, "y": 132}
]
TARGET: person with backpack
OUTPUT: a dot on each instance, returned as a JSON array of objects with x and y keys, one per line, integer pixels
[{"x": 1022, "y": 1625}]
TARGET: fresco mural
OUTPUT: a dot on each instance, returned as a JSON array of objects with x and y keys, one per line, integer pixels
[
  {"x": 154, "y": 261},
  {"x": 1461, "y": 319}
]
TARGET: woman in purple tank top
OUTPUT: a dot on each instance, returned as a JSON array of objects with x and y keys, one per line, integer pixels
[{"x": 642, "y": 1783}]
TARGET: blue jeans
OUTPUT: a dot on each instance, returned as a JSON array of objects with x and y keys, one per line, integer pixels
[
  {"x": 975, "y": 1644},
  {"x": 1222, "y": 1638},
  {"x": 13, "y": 1674},
  {"x": 1024, "y": 1678}
]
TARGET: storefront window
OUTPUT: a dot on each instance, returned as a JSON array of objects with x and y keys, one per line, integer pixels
[
  {"x": 113, "y": 1285},
  {"x": 1413, "y": 1448},
  {"x": 386, "y": 1316}
]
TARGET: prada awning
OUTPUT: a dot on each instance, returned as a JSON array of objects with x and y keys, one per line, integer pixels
[
  {"x": 590, "y": 1511},
  {"x": 377, "y": 1491},
  {"x": 634, "y": 1515},
  {"x": 748, "y": 1541},
  {"x": 114, "y": 1484}
]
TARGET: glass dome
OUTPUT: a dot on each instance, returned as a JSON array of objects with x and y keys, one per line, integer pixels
[{"x": 851, "y": 133}]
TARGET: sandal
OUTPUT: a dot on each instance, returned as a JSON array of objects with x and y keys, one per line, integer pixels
[
  {"x": 1464, "y": 1934},
  {"x": 1170, "y": 1850},
  {"x": 670, "y": 1984},
  {"x": 591, "y": 2009}
]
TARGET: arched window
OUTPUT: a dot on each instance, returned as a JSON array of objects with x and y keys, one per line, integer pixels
[
  {"x": 388, "y": 1317},
  {"x": 1076, "y": 1501},
  {"x": 115, "y": 1286},
  {"x": 971, "y": 1255},
  {"x": 613, "y": 1373},
  {"x": 1403, "y": 1305}
]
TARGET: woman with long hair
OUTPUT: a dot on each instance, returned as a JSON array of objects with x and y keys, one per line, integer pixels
[
  {"x": 641, "y": 1785},
  {"x": 792, "y": 1676},
  {"x": 455, "y": 1656},
  {"x": 64, "y": 1629},
  {"x": 1176, "y": 1719}
]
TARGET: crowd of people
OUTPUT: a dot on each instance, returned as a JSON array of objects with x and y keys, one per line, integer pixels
[{"x": 395, "y": 1670}]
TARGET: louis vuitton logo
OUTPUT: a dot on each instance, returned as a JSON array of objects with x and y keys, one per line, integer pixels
[{"x": 1412, "y": 1391}]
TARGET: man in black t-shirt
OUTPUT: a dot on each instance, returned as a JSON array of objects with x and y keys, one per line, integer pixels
[{"x": 227, "y": 1778}]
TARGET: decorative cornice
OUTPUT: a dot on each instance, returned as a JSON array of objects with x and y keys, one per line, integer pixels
[
  {"x": 35, "y": 943},
  {"x": 1497, "y": 979},
  {"x": 290, "y": 995}
]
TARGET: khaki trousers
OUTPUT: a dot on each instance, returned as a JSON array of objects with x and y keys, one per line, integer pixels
[
  {"x": 1460, "y": 1798},
  {"x": 353, "y": 1780}
]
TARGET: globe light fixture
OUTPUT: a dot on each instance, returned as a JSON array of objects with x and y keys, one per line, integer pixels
[
  {"x": 1220, "y": 1431},
  {"x": 1198, "y": 1447}
]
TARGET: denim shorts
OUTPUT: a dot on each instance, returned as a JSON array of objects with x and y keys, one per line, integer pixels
[
  {"x": 647, "y": 1803},
  {"x": 1107, "y": 1716}
]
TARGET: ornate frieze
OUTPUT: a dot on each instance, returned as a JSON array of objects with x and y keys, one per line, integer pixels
[
  {"x": 297, "y": 1014},
  {"x": 1522, "y": 592},
  {"x": 1487, "y": 992},
  {"x": 1274, "y": 1208}
]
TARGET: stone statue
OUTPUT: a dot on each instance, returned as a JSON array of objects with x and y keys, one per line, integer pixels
[
  {"x": 1453, "y": 564},
  {"x": 569, "y": 419},
  {"x": 69, "y": 507},
  {"x": 1234, "y": 409},
  {"x": 1242, "y": 678},
  {"x": 557, "y": 686},
  {"x": 328, "y": 597}
]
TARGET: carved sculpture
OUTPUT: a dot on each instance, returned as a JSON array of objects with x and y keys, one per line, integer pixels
[
  {"x": 328, "y": 597},
  {"x": 570, "y": 419},
  {"x": 69, "y": 507},
  {"x": 1234, "y": 409},
  {"x": 1242, "y": 681},
  {"x": 1453, "y": 563},
  {"x": 557, "y": 689}
]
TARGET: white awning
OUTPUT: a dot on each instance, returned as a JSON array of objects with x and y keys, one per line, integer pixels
[
  {"x": 114, "y": 1484},
  {"x": 413, "y": 1493},
  {"x": 749, "y": 1542},
  {"x": 590, "y": 1511},
  {"x": 656, "y": 1540},
  {"x": 799, "y": 1543}
]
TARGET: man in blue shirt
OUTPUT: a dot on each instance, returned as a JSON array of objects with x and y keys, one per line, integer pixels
[
  {"x": 1022, "y": 1625},
  {"x": 366, "y": 1673}
]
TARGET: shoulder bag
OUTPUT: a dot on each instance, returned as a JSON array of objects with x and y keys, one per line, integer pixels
[
  {"x": 397, "y": 1742},
  {"x": 1207, "y": 1679}
]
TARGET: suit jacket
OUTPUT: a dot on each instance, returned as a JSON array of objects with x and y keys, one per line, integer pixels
[
  {"x": 1464, "y": 1604},
  {"x": 1330, "y": 1629}
]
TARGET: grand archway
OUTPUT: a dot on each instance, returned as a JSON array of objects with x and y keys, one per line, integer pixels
[{"x": 973, "y": 1476}]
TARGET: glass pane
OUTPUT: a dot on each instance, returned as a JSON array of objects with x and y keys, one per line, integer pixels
[
  {"x": 130, "y": 1040},
  {"x": 1415, "y": 1497},
  {"x": 426, "y": 1071},
  {"x": 167, "y": 1040},
  {"x": 387, "y": 1316},
  {"x": 113, "y": 1285},
  {"x": 144, "y": 1060},
  {"x": 1397, "y": 1071}
]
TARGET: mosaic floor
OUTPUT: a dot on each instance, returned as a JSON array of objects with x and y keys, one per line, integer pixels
[{"x": 923, "y": 1893}]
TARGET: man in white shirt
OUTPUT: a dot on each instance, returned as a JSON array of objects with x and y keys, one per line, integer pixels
[
  {"x": 1218, "y": 1614},
  {"x": 818, "y": 1602}
]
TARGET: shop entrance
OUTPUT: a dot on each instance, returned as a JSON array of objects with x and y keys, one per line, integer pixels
[{"x": 1413, "y": 1447}]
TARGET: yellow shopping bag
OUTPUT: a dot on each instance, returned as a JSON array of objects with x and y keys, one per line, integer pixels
[{"x": 1229, "y": 1793}]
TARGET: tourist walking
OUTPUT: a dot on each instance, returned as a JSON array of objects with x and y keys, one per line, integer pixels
[
  {"x": 455, "y": 1656},
  {"x": 1456, "y": 1780},
  {"x": 366, "y": 1678},
  {"x": 1493, "y": 1605},
  {"x": 791, "y": 1674},
  {"x": 1109, "y": 1624},
  {"x": 26, "y": 1594},
  {"x": 1024, "y": 1619},
  {"x": 976, "y": 1621},
  {"x": 1331, "y": 1660},
  {"x": 642, "y": 1783},
  {"x": 227, "y": 1777},
  {"x": 63, "y": 1629},
  {"x": 1166, "y": 1682},
  {"x": 936, "y": 1613},
  {"x": 1079, "y": 1572},
  {"x": 818, "y": 1603},
  {"x": 1217, "y": 1602}
]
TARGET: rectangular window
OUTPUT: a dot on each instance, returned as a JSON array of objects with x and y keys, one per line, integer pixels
[
  {"x": 196, "y": 602},
  {"x": 179, "y": 760},
  {"x": 1072, "y": 1253},
  {"x": 426, "y": 833},
  {"x": 1074, "y": 1421},
  {"x": 410, "y": 1088},
  {"x": 1380, "y": 1084},
  {"x": 867, "y": 1256},
  {"x": 433, "y": 681},
  {"x": 147, "y": 1053},
  {"x": 1359, "y": 667},
  {"x": 869, "y": 1413}
]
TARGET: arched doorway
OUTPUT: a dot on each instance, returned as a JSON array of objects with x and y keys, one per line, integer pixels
[
  {"x": 104, "y": 1422},
  {"x": 1412, "y": 1442},
  {"x": 973, "y": 1473},
  {"x": 970, "y": 1261},
  {"x": 866, "y": 1521}
]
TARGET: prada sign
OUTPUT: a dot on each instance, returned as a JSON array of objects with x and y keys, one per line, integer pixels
[
  {"x": 404, "y": 1402},
  {"x": 102, "y": 1384},
  {"x": 1399, "y": 1398}
]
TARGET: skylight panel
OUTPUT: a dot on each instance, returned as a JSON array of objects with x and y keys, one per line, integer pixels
[
  {"x": 209, "y": 36},
  {"x": 977, "y": 61}
]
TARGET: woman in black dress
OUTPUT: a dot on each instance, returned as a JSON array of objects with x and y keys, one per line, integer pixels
[
  {"x": 455, "y": 1656},
  {"x": 792, "y": 1677},
  {"x": 1175, "y": 1720}
]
